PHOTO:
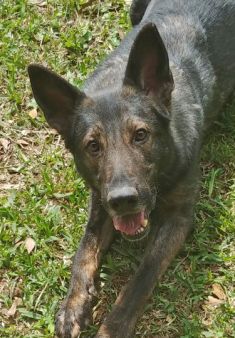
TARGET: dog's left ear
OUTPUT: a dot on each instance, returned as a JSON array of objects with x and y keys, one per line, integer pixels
[{"x": 148, "y": 66}]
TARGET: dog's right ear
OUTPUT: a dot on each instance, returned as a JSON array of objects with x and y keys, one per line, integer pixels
[{"x": 55, "y": 96}]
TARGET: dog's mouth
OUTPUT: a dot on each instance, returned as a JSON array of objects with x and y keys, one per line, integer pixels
[{"x": 132, "y": 226}]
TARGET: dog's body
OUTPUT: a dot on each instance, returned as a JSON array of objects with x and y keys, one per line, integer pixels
[{"x": 135, "y": 133}]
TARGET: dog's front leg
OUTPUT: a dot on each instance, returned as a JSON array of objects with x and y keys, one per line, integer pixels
[
  {"x": 130, "y": 302},
  {"x": 75, "y": 312}
]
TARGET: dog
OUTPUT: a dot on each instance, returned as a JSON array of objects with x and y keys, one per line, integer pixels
[{"x": 135, "y": 131}]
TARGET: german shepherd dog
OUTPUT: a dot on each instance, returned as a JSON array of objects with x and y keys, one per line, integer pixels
[{"x": 135, "y": 131}]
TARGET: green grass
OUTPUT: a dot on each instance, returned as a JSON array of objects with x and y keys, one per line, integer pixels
[{"x": 42, "y": 198}]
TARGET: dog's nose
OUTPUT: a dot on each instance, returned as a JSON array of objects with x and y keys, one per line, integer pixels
[{"x": 122, "y": 199}]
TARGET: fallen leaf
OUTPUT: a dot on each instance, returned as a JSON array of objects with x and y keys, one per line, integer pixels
[
  {"x": 25, "y": 132},
  {"x": 121, "y": 34},
  {"x": 5, "y": 143},
  {"x": 169, "y": 319},
  {"x": 18, "y": 243},
  {"x": 29, "y": 244},
  {"x": 3, "y": 285},
  {"x": 218, "y": 291},
  {"x": 207, "y": 321},
  {"x": 214, "y": 301},
  {"x": 9, "y": 186},
  {"x": 11, "y": 312},
  {"x": 33, "y": 113},
  {"x": 40, "y": 3},
  {"x": 22, "y": 142},
  {"x": 67, "y": 260}
]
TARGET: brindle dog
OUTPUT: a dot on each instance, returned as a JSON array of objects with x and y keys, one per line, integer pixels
[{"x": 135, "y": 131}]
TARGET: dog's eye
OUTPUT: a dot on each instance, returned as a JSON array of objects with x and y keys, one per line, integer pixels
[
  {"x": 93, "y": 147},
  {"x": 140, "y": 135}
]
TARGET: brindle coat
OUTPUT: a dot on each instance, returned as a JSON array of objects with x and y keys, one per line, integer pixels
[{"x": 135, "y": 132}]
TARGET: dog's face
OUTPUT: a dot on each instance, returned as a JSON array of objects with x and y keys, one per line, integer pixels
[
  {"x": 119, "y": 138},
  {"x": 119, "y": 143}
]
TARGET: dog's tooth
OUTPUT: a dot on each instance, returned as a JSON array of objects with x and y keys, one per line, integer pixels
[
  {"x": 140, "y": 230},
  {"x": 145, "y": 223}
]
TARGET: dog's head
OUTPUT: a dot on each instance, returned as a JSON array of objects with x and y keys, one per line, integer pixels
[{"x": 119, "y": 137}]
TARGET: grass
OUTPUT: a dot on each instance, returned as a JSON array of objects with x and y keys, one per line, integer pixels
[{"x": 43, "y": 199}]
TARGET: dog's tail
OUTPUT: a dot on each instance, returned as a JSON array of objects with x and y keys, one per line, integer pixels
[{"x": 137, "y": 10}]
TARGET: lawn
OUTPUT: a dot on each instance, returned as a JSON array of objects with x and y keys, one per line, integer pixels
[{"x": 43, "y": 202}]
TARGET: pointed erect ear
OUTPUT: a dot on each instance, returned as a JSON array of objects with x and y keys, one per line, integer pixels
[
  {"x": 148, "y": 65},
  {"x": 55, "y": 96}
]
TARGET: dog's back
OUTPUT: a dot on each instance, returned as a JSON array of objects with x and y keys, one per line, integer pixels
[{"x": 193, "y": 32}]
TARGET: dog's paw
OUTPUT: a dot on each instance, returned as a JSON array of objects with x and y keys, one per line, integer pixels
[
  {"x": 71, "y": 319},
  {"x": 112, "y": 331},
  {"x": 104, "y": 333},
  {"x": 67, "y": 327}
]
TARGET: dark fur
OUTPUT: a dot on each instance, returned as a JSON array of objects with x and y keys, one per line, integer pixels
[
  {"x": 137, "y": 10},
  {"x": 171, "y": 82}
]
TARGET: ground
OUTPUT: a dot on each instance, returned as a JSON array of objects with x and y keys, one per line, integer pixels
[{"x": 43, "y": 203}]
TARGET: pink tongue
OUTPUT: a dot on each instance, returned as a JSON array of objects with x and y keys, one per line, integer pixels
[{"x": 129, "y": 224}]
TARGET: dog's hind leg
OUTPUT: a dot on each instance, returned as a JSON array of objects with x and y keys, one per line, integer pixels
[
  {"x": 137, "y": 10},
  {"x": 130, "y": 302},
  {"x": 75, "y": 313}
]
